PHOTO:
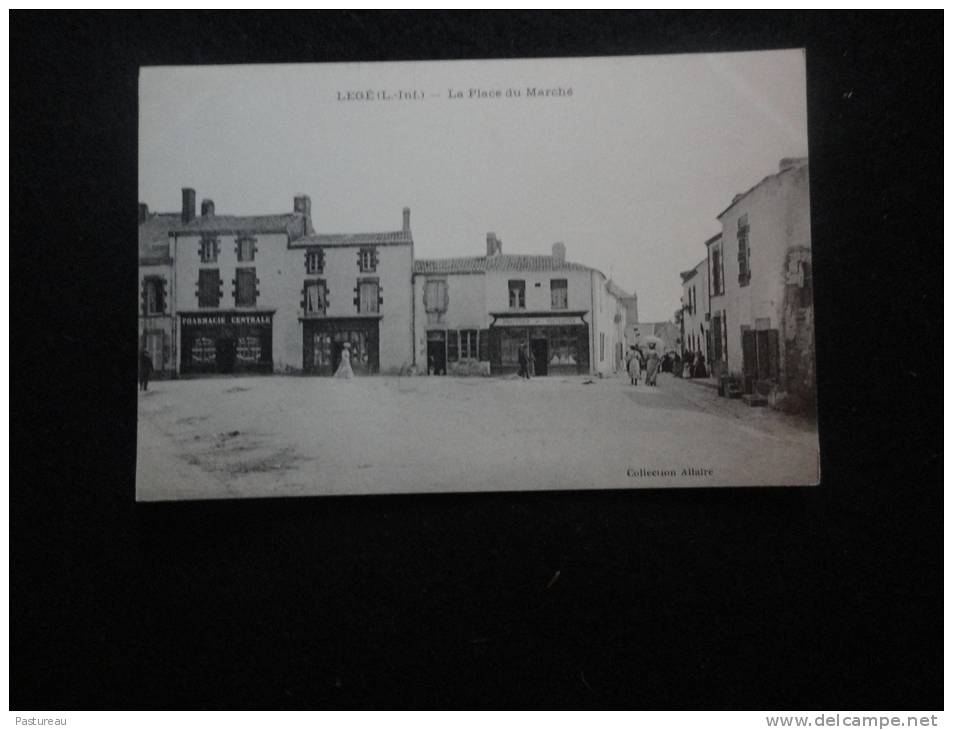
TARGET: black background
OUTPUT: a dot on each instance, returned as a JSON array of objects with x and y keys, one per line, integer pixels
[{"x": 775, "y": 598}]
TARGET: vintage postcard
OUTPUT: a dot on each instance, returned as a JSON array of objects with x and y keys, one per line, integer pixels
[{"x": 475, "y": 276}]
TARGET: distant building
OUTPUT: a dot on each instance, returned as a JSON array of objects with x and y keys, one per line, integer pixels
[
  {"x": 668, "y": 332},
  {"x": 695, "y": 315},
  {"x": 156, "y": 296},
  {"x": 762, "y": 314},
  {"x": 472, "y": 314}
]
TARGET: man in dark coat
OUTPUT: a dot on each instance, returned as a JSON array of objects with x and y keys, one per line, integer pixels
[
  {"x": 145, "y": 369},
  {"x": 524, "y": 370}
]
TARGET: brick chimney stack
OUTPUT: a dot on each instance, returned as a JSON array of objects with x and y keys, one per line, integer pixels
[
  {"x": 494, "y": 246},
  {"x": 559, "y": 252},
  {"x": 406, "y": 228},
  {"x": 188, "y": 204},
  {"x": 143, "y": 212},
  {"x": 208, "y": 208}
]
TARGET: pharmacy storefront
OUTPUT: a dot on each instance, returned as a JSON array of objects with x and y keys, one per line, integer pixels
[
  {"x": 559, "y": 343},
  {"x": 226, "y": 342}
]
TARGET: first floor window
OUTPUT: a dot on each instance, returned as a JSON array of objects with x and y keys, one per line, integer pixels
[
  {"x": 154, "y": 295},
  {"x": 517, "y": 289},
  {"x": 369, "y": 295},
  {"x": 315, "y": 297},
  {"x": 435, "y": 296},
  {"x": 559, "y": 293},
  {"x": 209, "y": 288},
  {"x": 717, "y": 272},
  {"x": 245, "y": 285}
]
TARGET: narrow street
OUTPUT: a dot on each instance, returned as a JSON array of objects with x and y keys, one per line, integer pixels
[{"x": 286, "y": 436}]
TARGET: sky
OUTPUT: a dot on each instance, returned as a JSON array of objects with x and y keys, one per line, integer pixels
[{"x": 629, "y": 170}]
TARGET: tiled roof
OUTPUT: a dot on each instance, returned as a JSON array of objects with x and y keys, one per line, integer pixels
[
  {"x": 154, "y": 237},
  {"x": 499, "y": 262},
  {"x": 289, "y": 223},
  {"x": 355, "y": 239}
]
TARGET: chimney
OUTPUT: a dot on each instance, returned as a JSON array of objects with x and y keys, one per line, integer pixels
[
  {"x": 208, "y": 208},
  {"x": 143, "y": 212},
  {"x": 406, "y": 220},
  {"x": 188, "y": 204},
  {"x": 303, "y": 205},
  {"x": 559, "y": 252},
  {"x": 494, "y": 246}
]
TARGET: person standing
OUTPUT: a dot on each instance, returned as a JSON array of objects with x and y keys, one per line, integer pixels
[
  {"x": 633, "y": 366},
  {"x": 521, "y": 356},
  {"x": 145, "y": 369},
  {"x": 651, "y": 365},
  {"x": 530, "y": 363},
  {"x": 344, "y": 368}
]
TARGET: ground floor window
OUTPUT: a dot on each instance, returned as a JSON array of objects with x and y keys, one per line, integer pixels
[
  {"x": 227, "y": 346},
  {"x": 554, "y": 349},
  {"x": 324, "y": 341}
]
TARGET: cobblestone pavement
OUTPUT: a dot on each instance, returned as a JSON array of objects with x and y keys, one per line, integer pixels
[{"x": 288, "y": 436}]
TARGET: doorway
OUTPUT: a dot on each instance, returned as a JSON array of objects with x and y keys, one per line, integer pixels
[
  {"x": 437, "y": 352},
  {"x": 224, "y": 355},
  {"x": 540, "y": 349}
]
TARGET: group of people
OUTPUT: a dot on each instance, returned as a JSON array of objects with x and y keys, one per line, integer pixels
[
  {"x": 645, "y": 361},
  {"x": 644, "y": 364}
]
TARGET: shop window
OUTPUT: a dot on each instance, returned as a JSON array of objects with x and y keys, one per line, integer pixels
[
  {"x": 249, "y": 349},
  {"x": 367, "y": 259},
  {"x": 315, "y": 297},
  {"x": 468, "y": 344},
  {"x": 744, "y": 252},
  {"x": 210, "y": 288},
  {"x": 517, "y": 289},
  {"x": 208, "y": 250},
  {"x": 368, "y": 297},
  {"x": 436, "y": 296},
  {"x": 559, "y": 293},
  {"x": 153, "y": 295},
  {"x": 245, "y": 248},
  {"x": 246, "y": 293},
  {"x": 314, "y": 261},
  {"x": 203, "y": 350}
]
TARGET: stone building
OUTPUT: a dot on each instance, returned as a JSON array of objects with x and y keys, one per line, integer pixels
[
  {"x": 266, "y": 293},
  {"x": 472, "y": 314},
  {"x": 156, "y": 296},
  {"x": 695, "y": 315},
  {"x": 762, "y": 312}
]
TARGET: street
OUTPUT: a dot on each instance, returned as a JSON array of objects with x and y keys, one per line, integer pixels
[{"x": 292, "y": 436}]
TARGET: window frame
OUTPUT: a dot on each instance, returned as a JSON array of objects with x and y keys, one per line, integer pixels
[
  {"x": 246, "y": 271},
  {"x": 214, "y": 279},
  {"x": 520, "y": 291},
  {"x": 554, "y": 289}
]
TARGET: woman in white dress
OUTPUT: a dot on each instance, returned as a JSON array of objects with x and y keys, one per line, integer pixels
[{"x": 344, "y": 369}]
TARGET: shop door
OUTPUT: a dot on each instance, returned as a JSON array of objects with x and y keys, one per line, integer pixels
[
  {"x": 154, "y": 346},
  {"x": 224, "y": 355},
  {"x": 540, "y": 348},
  {"x": 436, "y": 357}
]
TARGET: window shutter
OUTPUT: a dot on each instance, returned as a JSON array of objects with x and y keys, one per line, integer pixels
[
  {"x": 445, "y": 290},
  {"x": 452, "y": 346},
  {"x": 484, "y": 345},
  {"x": 426, "y": 296},
  {"x": 374, "y": 259},
  {"x": 145, "y": 297}
]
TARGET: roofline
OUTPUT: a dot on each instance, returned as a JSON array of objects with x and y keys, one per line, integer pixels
[
  {"x": 746, "y": 193},
  {"x": 711, "y": 240}
]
